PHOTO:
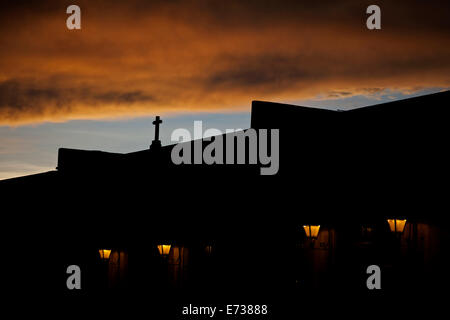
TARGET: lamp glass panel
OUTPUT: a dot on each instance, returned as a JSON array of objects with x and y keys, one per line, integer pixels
[
  {"x": 164, "y": 249},
  {"x": 397, "y": 225},
  {"x": 104, "y": 253},
  {"x": 401, "y": 225},
  {"x": 391, "y": 224},
  {"x": 311, "y": 231}
]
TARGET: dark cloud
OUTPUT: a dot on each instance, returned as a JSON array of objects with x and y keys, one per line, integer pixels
[
  {"x": 338, "y": 94},
  {"x": 262, "y": 70},
  {"x": 20, "y": 97}
]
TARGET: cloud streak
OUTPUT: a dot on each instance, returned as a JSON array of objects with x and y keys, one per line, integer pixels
[{"x": 135, "y": 58}]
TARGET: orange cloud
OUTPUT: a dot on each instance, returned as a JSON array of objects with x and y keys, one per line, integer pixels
[{"x": 135, "y": 58}]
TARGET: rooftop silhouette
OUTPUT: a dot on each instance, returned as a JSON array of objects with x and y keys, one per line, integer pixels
[{"x": 339, "y": 170}]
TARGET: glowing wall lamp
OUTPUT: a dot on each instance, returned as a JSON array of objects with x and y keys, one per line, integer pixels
[
  {"x": 164, "y": 249},
  {"x": 312, "y": 232},
  {"x": 396, "y": 225},
  {"x": 104, "y": 253}
]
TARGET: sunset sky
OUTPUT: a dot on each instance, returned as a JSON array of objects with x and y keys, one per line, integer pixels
[{"x": 99, "y": 87}]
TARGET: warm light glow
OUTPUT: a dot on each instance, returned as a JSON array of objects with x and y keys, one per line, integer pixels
[
  {"x": 164, "y": 249},
  {"x": 397, "y": 225},
  {"x": 196, "y": 49},
  {"x": 208, "y": 249},
  {"x": 311, "y": 231},
  {"x": 104, "y": 253}
]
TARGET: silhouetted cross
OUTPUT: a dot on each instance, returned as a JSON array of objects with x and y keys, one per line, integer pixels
[{"x": 157, "y": 122}]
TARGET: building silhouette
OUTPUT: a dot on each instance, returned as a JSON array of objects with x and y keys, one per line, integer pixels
[{"x": 233, "y": 230}]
